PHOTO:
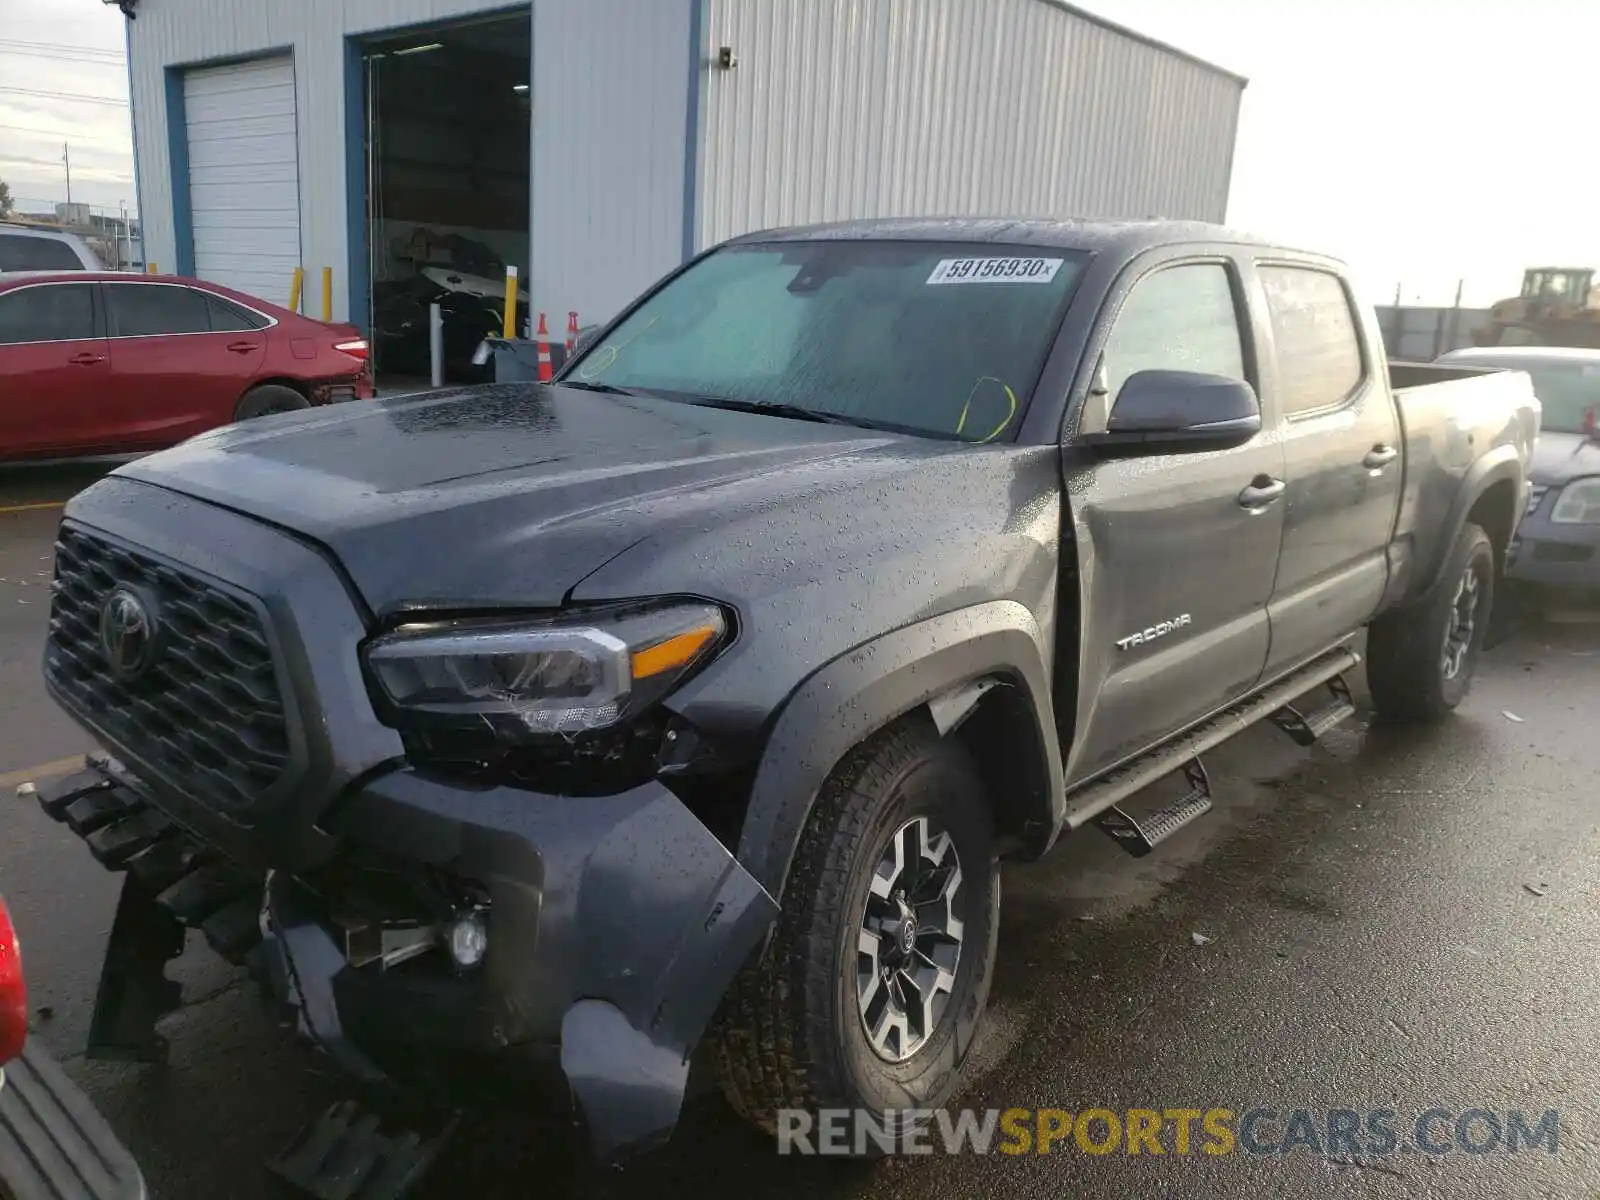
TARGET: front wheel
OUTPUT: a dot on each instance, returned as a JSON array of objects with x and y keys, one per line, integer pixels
[
  {"x": 1421, "y": 658},
  {"x": 871, "y": 991}
]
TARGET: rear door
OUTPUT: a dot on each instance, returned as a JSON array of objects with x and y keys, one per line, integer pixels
[
  {"x": 55, "y": 369},
  {"x": 1341, "y": 440},
  {"x": 179, "y": 362},
  {"x": 1178, "y": 569}
]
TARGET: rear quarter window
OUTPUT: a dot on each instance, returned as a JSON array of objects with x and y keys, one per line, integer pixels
[
  {"x": 1314, "y": 333},
  {"x": 227, "y": 317}
]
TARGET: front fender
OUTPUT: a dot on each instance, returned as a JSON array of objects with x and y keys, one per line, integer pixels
[{"x": 867, "y": 688}]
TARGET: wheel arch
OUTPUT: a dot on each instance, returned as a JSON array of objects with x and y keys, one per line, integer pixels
[
  {"x": 1488, "y": 496},
  {"x": 294, "y": 385},
  {"x": 923, "y": 671}
]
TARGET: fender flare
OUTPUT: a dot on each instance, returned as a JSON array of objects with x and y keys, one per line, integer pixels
[
  {"x": 1494, "y": 466},
  {"x": 867, "y": 688}
]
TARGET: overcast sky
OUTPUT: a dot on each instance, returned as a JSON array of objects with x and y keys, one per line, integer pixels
[
  {"x": 33, "y": 128},
  {"x": 1423, "y": 140}
]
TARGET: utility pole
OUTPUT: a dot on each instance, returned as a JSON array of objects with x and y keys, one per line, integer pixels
[{"x": 66, "y": 157}]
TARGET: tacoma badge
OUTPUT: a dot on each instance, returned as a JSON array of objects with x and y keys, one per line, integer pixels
[{"x": 1159, "y": 629}]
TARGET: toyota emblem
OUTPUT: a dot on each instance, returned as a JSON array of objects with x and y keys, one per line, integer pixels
[{"x": 128, "y": 633}]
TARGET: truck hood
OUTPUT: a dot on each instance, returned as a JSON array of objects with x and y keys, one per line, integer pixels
[
  {"x": 1559, "y": 458},
  {"x": 499, "y": 496}
]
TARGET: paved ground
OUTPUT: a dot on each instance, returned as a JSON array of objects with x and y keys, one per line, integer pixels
[{"x": 1397, "y": 920}]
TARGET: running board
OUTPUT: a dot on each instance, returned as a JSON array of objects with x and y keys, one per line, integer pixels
[
  {"x": 1308, "y": 730},
  {"x": 1140, "y": 835},
  {"x": 1091, "y": 799}
]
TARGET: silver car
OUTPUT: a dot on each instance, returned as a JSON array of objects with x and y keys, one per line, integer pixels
[
  {"x": 25, "y": 247},
  {"x": 1558, "y": 545}
]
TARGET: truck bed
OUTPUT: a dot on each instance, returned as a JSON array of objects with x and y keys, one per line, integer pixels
[{"x": 1454, "y": 419}]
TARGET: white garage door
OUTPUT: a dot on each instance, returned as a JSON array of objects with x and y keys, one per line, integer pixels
[{"x": 244, "y": 175}]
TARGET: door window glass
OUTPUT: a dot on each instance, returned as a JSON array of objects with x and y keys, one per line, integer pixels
[
  {"x": 143, "y": 309},
  {"x": 57, "y": 312},
  {"x": 1314, "y": 332},
  {"x": 1180, "y": 319}
]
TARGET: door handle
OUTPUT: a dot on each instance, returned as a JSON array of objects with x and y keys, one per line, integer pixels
[
  {"x": 1263, "y": 490},
  {"x": 1379, "y": 457},
  {"x": 243, "y": 347},
  {"x": 86, "y": 359}
]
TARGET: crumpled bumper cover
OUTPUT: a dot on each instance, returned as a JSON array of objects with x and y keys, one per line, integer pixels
[{"x": 617, "y": 924}]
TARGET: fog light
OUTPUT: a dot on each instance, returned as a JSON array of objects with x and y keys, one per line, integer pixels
[{"x": 469, "y": 939}]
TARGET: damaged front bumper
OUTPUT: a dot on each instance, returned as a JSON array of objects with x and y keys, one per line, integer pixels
[{"x": 614, "y": 924}]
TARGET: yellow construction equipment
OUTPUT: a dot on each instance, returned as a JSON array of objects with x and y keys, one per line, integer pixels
[{"x": 1558, "y": 306}]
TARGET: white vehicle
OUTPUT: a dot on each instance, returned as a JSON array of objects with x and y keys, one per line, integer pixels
[{"x": 44, "y": 248}]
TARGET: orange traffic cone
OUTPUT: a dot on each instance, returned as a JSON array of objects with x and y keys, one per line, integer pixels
[
  {"x": 572, "y": 332},
  {"x": 546, "y": 372}
]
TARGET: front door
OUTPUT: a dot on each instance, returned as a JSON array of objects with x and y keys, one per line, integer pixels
[
  {"x": 54, "y": 369},
  {"x": 1341, "y": 440},
  {"x": 1176, "y": 552}
]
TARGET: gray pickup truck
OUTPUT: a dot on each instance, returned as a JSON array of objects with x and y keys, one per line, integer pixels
[{"x": 696, "y": 698}]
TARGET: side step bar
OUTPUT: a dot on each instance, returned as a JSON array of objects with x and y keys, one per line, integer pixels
[
  {"x": 1098, "y": 795},
  {"x": 1140, "y": 835},
  {"x": 1308, "y": 730}
]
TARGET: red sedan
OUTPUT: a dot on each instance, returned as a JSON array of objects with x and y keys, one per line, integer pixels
[{"x": 102, "y": 363}]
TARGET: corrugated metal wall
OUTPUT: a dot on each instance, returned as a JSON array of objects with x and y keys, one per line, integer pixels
[
  {"x": 188, "y": 32},
  {"x": 858, "y": 108},
  {"x": 611, "y": 85},
  {"x": 837, "y": 108}
]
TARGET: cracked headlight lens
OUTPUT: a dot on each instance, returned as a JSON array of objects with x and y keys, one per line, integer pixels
[{"x": 564, "y": 675}]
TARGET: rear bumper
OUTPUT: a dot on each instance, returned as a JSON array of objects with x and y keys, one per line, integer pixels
[{"x": 54, "y": 1145}]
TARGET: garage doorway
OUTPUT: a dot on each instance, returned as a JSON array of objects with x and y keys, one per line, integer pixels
[{"x": 445, "y": 138}]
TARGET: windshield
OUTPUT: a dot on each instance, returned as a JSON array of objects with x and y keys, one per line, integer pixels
[
  {"x": 1568, "y": 392},
  {"x": 935, "y": 339}
]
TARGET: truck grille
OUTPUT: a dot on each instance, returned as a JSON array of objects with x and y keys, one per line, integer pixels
[{"x": 205, "y": 716}]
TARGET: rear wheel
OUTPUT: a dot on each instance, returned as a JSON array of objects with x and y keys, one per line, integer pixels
[
  {"x": 267, "y": 399},
  {"x": 1421, "y": 658},
  {"x": 870, "y": 994}
]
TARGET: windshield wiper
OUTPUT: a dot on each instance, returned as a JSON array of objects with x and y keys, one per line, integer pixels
[
  {"x": 605, "y": 389},
  {"x": 795, "y": 412}
]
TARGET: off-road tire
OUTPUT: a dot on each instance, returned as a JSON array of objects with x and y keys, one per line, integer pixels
[
  {"x": 268, "y": 399},
  {"x": 790, "y": 1032},
  {"x": 1405, "y": 647}
]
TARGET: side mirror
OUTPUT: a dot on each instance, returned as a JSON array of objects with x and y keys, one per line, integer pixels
[{"x": 1166, "y": 412}]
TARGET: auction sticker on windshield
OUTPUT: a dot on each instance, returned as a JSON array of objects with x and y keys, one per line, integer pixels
[{"x": 995, "y": 270}]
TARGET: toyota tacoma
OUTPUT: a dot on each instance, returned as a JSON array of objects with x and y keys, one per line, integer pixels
[{"x": 537, "y": 733}]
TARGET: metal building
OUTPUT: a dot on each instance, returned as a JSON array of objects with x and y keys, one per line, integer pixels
[{"x": 596, "y": 143}]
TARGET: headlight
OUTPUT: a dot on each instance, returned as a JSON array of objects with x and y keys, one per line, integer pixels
[
  {"x": 558, "y": 676},
  {"x": 1579, "y": 503}
]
